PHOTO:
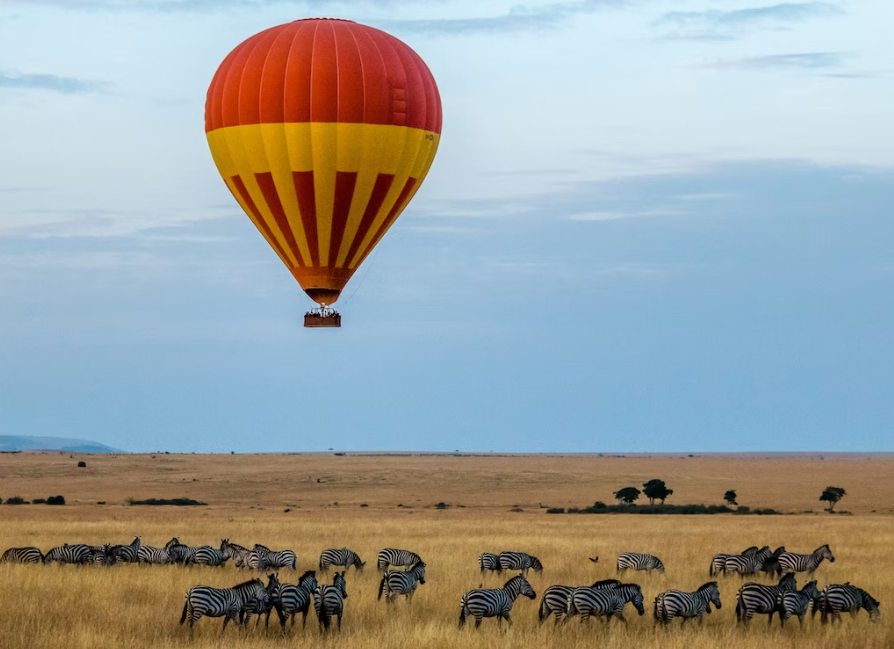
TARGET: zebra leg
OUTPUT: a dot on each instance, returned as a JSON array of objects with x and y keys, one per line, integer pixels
[
  {"x": 770, "y": 618},
  {"x": 339, "y": 620},
  {"x": 508, "y": 619},
  {"x": 477, "y": 621}
]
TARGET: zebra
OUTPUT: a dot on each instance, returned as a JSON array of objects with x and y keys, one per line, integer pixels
[
  {"x": 102, "y": 555},
  {"x": 279, "y": 559},
  {"x": 718, "y": 563},
  {"x": 796, "y": 602},
  {"x": 262, "y": 602},
  {"x": 520, "y": 561},
  {"x": 675, "y": 603},
  {"x": 22, "y": 555},
  {"x": 494, "y": 602},
  {"x": 489, "y": 561},
  {"x": 78, "y": 553},
  {"x": 391, "y": 557},
  {"x": 757, "y": 598},
  {"x": 179, "y": 552},
  {"x": 151, "y": 555},
  {"x": 791, "y": 562},
  {"x": 126, "y": 553},
  {"x": 397, "y": 582},
  {"x": 841, "y": 598},
  {"x": 609, "y": 602},
  {"x": 206, "y": 556},
  {"x": 343, "y": 557},
  {"x": 748, "y": 565},
  {"x": 771, "y": 565},
  {"x": 555, "y": 599},
  {"x": 330, "y": 600},
  {"x": 290, "y": 599},
  {"x": 637, "y": 561},
  {"x": 236, "y": 552},
  {"x": 205, "y": 601}
]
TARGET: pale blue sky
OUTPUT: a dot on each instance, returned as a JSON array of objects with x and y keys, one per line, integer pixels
[{"x": 651, "y": 226}]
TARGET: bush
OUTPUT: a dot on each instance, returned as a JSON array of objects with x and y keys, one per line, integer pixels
[
  {"x": 442, "y": 506},
  {"x": 82, "y": 465},
  {"x": 56, "y": 500},
  {"x": 16, "y": 500},
  {"x": 177, "y": 502},
  {"x": 38, "y": 501},
  {"x": 693, "y": 509},
  {"x": 555, "y": 510}
]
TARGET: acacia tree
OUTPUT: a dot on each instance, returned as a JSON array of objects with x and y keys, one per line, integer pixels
[
  {"x": 730, "y": 498},
  {"x": 832, "y": 495},
  {"x": 627, "y": 495},
  {"x": 656, "y": 490}
]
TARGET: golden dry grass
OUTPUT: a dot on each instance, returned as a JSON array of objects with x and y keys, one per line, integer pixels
[{"x": 56, "y": 607}]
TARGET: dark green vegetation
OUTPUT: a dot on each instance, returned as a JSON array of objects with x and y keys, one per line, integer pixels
[
  {"x": 832, "y": 495},
  {"x": 602, "y": 508},
  {"x": 177, "y": 502}
]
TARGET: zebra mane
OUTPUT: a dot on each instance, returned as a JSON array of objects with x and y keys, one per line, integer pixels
[
  {"x": 515, "y": 580},
  {"x": 263, "y": 547},
  {"x": 824, "y": 545},
  {"x": 706, "y": 587},
  {"x": 246, "y": 584},
  {"x": 234, "y": 545},
  {"x": 868, "y": 600},
  {"x": 606, "y": 582},
  {"x": 307, "y": 575}
]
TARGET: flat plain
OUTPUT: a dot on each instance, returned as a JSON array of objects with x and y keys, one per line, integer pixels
[{"x": 247, "y": 495}]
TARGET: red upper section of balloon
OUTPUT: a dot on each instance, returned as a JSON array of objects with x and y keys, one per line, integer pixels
[{"x": 323, "y": 70}]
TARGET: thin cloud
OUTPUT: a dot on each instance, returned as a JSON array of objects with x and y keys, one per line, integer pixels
[
  {"x": 805, "y": 61},
  {"x": 51, "y": 82},
  {"x": 719, "y": 24}
]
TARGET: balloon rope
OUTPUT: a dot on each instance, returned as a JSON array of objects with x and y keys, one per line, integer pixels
[{"x": 363, "y": 279}]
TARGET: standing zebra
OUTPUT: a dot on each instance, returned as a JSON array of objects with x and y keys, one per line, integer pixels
[
  {"x": 796, "y": 602},
  {"x": 555, "y": 598},
  {"x": 718, "y": 563},
  {"x": 637, "y": 561},
  {"x": 78, "y": 553},
  {"x": 126, "y": 553},
  {"x": 494, "y": 602},
  {"x": 278, "y": 559},
  {"x": 771, "y": 565},
  {"x": 391, "y": 557},
  {"x": 489, "y": 561},
  {"x": 22, "y": 555},
  {"x": 343, "y": 557},
  {"x": 205, "y": 556},
  {"x": 236, "y": 552},
  {"x": 791, "y": 562},
  {"x": 397, "y": 582},
  {"x": 675, "y": 603},
  {"x": 609, "y": 602},
  {"x": 844, "y": 598},
  {"x": 101, "y": 555},
  {"x": 330, "y": 600},
  {"x": 151, "y": 555},
  {"x": 748, "y": 565},
  {"x": 757, "y": 598},
  {"x": 262, "y": 602},
  {"x": 204, "y": 601},
  {"x": 520, "y": 561},
  {"x": 290, "y": 599},
  {"x": 179, "y": 552}
]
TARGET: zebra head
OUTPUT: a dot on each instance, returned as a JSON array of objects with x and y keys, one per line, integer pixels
[
  {"x": 136, "y": 542},
  {"x": 659, "y": 567},
  {"x": 871, "y": 605},
  {"x": 711, "y": 591},
  {"x": 419, "y": 569},
  {"x": 518, "y": 585},
  {"x": 358, "y": 563},
  {"x": 339, "y": 584},
  {"x": 536, "y": 565},
  {"x": 273, "y": 583},
  {"x": 634, "y": 594},
  {"x": 749, "y": 552},
  {"x": 788, "y": 582},
  {"x": 308, "y": 580},
  {"x": 824, "y": 552},
  {"x": 811, "y": 590}
]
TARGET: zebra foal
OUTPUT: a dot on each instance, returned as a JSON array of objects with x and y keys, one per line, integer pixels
[
  {"x": 398, "y": 582},
  {"x": 494, "y": 602}
]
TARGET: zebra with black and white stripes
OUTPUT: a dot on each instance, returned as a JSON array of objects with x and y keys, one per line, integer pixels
[
  {"x": 275, "y": 559},
  {"x": 343, "y": 557},
  {"x": 758, "y": 598},
  {"x": 330, "y": 600},
  {"x": 393, "y": 557},
  {"x": 845, "y": 598},
  {"x": 718, "y": 562},
  {"x": 156, "y": 556},
  {"x": 101, "y": 555},
  {"x": 77, "y": 553},
  {"x": 555, "y": 598},
  {"x": 262, "y": 603},
  {"x": 231, "y": 603},
  {"x": 206, "y": 556},
  {"x": 494, "y": 602},
  {"x": 399, "y": 582},
  {"x": 747, "y": 565},
  {"x": 675, "y": 603},
  {"x": 771, "y": 565},
  {"x": 22, "y": 555},
  {"x": 126, "y": 553},
  {"x": 796, "y": 602},
  {"x": 791, "y": 562},
  {"x": 236, "y": 552},
  {"x": 520, "y": 561},
  {"x": 290, "y": 599},
  {"x": 488, "y": 561},
  {"x": 609, "y": 602},
  {"x": 179, "y": 552},
  {"x": 639, "y": 561}
]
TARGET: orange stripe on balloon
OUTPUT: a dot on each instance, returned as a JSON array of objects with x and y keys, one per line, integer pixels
[
  {"x": 379, "y": 192},
  {"x": 345, "y": 182},
  {"x": 259, "y": 220},
  {"x": 268, "y": 189},
  {"x": 307, "y": 205},
  {"x": 398, "y": 207}
]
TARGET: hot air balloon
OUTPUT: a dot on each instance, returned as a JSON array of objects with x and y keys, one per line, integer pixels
[{"x": 323, "y": 130}]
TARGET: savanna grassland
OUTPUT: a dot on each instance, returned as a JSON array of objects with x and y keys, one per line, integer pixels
[{"x": 139, "y": 606}]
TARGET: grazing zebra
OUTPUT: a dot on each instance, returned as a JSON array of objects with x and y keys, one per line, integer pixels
[
  {"x": 343, "y": 557},
  {"x": 844, "y": 598},
  {"x": 236, "y": 552},
  {"x": 748, "y": 565},
  {"x": 796, "y": 602},
  {"x": 151, "y": 555},
  {"x": 396, "y": 582},
  {"x": 494, "y": 602},
  {"x": 206, "y": 556},
  {"x": 279, "y": 559},
  {"x": 555, "y": 599},
  {"x": 102, "y": 555},
  {"x": 204, "y": 601},
  {"x": 718, "y": 563},
  {"x": 757, "y": 598},
  {"x": 675, "y": 603},
  {"x": 489, "y": 561},
  {"x": 637, "y": 561},
  {"x": 290, "y": 599},
  {"x": 126, "y": 553},
  {"x": 609, "y": 602},
  {"x": 391, "y": 557},
  {"x": 22, "y": 555},
  {"x": 330, "y": 600},
  {"x": 77, "y": 553},
  {"x": 791, "y": 562},
  {"x": 520, "y": 561}
]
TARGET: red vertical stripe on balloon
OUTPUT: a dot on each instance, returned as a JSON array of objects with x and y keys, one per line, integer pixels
[
  {"x": 398, "y": 207},
  {"x": 307, "y": 205},
  {"x": 259, "y": 219},
  {"x": 344, "y": 194},
  {"x": 379, "y": 192},
  {"x": 268, "y": 189}
]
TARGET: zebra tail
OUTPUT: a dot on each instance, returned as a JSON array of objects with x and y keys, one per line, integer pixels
[
  {"x": 543, "y": 613},
  {"x": 185, "y": 609},
  {"x": 462, "y": 613},
  {"x": 382, "y": 586},
  {"x": 656, "y": 611}
]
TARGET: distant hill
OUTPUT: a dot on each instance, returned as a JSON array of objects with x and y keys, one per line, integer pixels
[{"x": 64, "y": 444}]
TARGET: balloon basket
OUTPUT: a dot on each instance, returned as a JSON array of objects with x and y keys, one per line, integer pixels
[{"x": 322, "y": 317}]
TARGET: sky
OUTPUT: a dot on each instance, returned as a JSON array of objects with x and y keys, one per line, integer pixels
[{"x": 651, "y": 226}]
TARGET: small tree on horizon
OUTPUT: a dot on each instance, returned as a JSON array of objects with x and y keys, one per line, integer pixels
[
  {"x": 832, "y": 495},
  {"x": 730, "y": 498},
  {"x": 656, "y": 490},
  {"x": 627, "y": 495}
]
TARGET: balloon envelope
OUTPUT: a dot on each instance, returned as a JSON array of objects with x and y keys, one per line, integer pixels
[{"x": 323, "y": 130}]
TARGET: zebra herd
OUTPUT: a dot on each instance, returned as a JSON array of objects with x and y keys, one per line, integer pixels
[{"x": 605, "y": 599}]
